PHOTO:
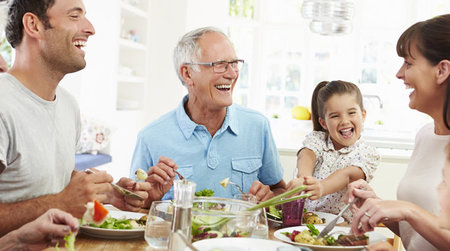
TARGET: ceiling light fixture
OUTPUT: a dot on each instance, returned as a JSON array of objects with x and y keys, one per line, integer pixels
[{"x": 329, "y": 17}]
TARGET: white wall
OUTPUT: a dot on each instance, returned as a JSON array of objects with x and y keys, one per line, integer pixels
[{"x": 169, "y": 20}]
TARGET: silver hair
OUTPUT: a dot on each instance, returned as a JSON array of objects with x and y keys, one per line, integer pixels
[{"x": 187, "y": 50}]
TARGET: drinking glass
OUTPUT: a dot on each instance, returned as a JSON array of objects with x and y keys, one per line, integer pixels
[
  {"x": 159, "y": 221},
  {"x": 293, "y": 213},
  {"x": 261, "y": 230}
]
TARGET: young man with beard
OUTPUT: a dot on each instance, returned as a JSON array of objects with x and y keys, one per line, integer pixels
[{"x": 40, "y": 122}]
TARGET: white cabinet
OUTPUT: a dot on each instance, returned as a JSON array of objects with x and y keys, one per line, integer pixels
[{"x": 132, "y": 54}]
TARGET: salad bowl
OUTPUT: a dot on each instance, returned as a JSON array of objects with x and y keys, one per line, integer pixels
[{"x": 220, "y": 217}]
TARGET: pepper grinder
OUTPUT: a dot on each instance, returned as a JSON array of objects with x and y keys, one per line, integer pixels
[{"x": 184, "y": 191}]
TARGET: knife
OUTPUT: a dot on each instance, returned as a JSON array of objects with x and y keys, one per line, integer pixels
[{"x": 332, "y": 223}]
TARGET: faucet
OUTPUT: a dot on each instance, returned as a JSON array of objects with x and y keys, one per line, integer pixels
[{"x": 369, "y": 96}]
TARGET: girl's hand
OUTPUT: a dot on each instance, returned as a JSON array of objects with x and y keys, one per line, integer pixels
[
  {"x": 314, "y": 187},
  {"x": 296, "y": 182}
]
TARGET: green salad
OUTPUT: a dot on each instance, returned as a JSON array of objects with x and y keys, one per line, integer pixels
[{"x": 113, "y": 223}]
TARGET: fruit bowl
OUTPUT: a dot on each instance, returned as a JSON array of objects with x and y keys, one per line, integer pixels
[{"x": 220, "y": 217}]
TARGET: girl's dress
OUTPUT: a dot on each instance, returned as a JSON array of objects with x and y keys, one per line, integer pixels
[{"x": 329, "y": 160}]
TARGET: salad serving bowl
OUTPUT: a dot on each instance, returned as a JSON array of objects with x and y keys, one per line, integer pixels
[{"x": 220, "y": 217}]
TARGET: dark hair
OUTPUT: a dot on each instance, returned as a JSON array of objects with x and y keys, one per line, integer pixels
[
  {"x": 432, "y": 39},
  {"x": 17, "y": 9},
  {"x": 324, "y": 91}
]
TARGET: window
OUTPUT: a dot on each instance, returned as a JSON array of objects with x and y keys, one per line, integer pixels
[{"x": 285, "y": 60}]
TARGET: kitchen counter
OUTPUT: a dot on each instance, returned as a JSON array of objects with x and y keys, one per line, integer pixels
[{"x": 393, "y": 145}]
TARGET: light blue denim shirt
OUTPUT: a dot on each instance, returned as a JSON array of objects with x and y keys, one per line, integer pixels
[{"x": 243, "y": 149}]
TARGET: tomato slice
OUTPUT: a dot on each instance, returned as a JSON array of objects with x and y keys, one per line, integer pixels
[{"x": 100, "y": 212}]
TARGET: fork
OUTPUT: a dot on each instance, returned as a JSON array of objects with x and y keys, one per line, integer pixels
[
  {"x": 332, "y": 223},
  {"x": 179, "y": 175},
  {"x": 236, "y": 185},
  {"x": 120, "y": 189}
]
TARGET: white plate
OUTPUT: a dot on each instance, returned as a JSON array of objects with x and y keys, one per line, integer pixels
[
  {"x": 238, "y": 244},
  {"x": 373, "y": 237},
  {"x": 327, "y": 216},
  {"x": 116, "y": 233}
]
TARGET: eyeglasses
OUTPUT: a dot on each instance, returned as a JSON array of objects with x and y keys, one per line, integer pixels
[{"x": 222, "y": 65}]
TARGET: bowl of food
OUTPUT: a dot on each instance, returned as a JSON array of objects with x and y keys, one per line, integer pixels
[{"x": 220, "y": 217}]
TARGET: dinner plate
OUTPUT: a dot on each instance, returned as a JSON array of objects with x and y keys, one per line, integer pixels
[
  {"x": 327, "y": 216},
  {"x": 116, "y": 233},
  {"x": 373, "y": 237},
  {"x": 238, "y": 244}
]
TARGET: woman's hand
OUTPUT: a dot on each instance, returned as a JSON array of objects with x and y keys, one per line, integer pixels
[
  {"x": 375, "y": 211},
  {"x": 360, "y": 189}
]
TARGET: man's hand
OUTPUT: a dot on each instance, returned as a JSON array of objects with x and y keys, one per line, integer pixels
[
  {"x": 127, "y": 203},
  {"x": 313, "y": 187},
  {"x": 261, "y": 191},
  {"x": 161, "y": 177},
  {"x": 83, "y": 188},
  {"x": 45, "y": 231},
  {"x": 294, "y": 183}
]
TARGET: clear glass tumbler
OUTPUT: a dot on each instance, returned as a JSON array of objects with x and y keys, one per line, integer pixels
[
  {"x": 159, "y": 221},
  {"x": 261, "y": 230}
]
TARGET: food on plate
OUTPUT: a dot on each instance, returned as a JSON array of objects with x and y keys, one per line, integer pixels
[
  {"x": 275, "y": 213},
  {"x": 352, "y": 240},
  {"x": 312, "y": 218},
  {"x": 95, "y": 213},
  {"x": 309, "y": 236},
  {"x": 225, "y": 182},
  {"x": 140, "y": 174},
  {"x": 114, "y": 223}
]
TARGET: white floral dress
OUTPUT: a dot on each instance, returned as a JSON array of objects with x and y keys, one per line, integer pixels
[{"x": 329, "y": 160}]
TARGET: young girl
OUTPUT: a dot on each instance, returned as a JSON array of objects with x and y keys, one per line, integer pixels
[{"x": 333, "y": 155}]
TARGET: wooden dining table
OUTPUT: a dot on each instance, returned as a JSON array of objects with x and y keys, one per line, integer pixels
[{"x": 84, "y": 242}]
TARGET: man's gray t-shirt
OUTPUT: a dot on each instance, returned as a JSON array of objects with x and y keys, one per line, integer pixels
[{"x": 38, "y": 140}]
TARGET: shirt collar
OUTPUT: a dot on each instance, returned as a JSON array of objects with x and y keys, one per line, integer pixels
[{"x": 188, "y": 126}]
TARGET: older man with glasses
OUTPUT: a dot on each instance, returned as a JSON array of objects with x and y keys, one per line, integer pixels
[{"x": 208, "y": 138}]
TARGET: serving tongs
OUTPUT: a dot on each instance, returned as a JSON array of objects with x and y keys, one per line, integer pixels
[{"x": 282, "y": 198}]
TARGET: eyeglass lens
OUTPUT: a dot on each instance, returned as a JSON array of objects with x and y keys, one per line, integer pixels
[{"x": 223, "y": 66}]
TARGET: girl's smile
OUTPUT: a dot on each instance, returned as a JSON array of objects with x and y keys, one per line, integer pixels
[{"x": 343, "y": 119}]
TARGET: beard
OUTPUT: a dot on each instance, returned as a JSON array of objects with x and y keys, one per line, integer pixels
[{"x": 60, "y": 54}]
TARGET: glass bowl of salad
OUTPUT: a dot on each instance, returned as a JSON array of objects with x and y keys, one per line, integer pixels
[{"x": 220, "y": 217}]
